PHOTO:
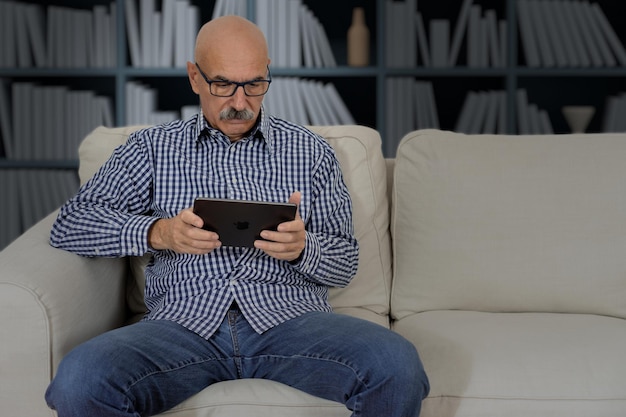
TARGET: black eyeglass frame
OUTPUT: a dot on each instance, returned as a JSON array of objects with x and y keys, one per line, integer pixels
[{"x": 237, "y": 84}]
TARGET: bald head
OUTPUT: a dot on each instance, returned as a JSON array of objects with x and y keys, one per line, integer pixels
[{"x": 230, "y": 38}]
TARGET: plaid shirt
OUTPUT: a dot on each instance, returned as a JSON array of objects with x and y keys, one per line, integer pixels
[{"x": 160, "y": 170}]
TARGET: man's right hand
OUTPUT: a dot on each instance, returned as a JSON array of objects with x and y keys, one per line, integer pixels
[{"x": 183, "y": 234}]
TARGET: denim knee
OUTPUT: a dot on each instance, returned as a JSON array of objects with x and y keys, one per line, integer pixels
[{"x": 80, "y": 383}]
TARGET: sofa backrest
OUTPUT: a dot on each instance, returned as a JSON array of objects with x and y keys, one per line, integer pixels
[
  {"x": 358, "y": 150},
  {"x": 509, "y": 223}
]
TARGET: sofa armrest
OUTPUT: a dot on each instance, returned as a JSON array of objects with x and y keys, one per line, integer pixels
[{"x": 50, "y": 301}]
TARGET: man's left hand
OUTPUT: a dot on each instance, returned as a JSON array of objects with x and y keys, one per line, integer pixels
[{"x": 287, "y": 242}]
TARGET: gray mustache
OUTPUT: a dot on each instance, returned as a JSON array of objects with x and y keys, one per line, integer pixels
[{"x": 232, "y": 114}]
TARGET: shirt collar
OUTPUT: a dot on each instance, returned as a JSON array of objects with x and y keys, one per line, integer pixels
[{"x": 261, "y": 130}]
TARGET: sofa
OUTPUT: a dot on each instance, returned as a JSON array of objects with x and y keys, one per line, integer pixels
[{"x": 502, "y": 258}]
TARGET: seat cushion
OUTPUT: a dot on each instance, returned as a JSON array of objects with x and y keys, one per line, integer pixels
[
  {"x": 509, "y": 223},
  {"x": 520, "y": 364},
  {"x": 358, "y": 150}
]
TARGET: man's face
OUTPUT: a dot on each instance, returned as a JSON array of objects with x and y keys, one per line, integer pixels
[{"x": 234, "y": 115}]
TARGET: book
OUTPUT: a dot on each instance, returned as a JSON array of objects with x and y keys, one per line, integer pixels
[
  {"x": 546, "y": 51},
  {"x": 132, "y": 32},
  {"x": 597, "y": 35},
  {"x": 609, "y": 33},
  {"x": 439, "y": 42},
  {"x": 422, "y": 39},
  {"x": 459, "y": 31},
  {"x": 529, "y": 41}
]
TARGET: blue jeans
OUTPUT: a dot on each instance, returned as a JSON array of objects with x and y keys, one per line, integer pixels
[{"x": 146, "y": 368}]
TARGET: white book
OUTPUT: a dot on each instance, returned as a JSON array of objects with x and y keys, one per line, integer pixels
[
  {"x": 474, "y": 37},
  {"x": 479, "y": 113},
  {"x": 167, "y": 34},
  {"x": 523, "y": 124},
  {"x": 132, "y": 32},
  {"x": 408, "y": 24},
  {"x": 610, "y": 114},
  {"x": 98, "y": 49},
  {"x": 312, "y": 26},
  {"x": 417, "y": 104},
  {"x": 491, "y": 114},
  {"x": 146, "y": 13},
  {"x": 609, "y": 34},
  {"x": 533, "y": 119},
  {"x": 549, "y": 22},
  {"x": 465, "y": 115},
  {"x": 422, "y": 39},
  {"x": 287, "y": 98},
  {"x": 112, "y": 31},
  {"x": 156, "y": 39},
  {"x": 439, "y": 42},
  {"x": 338, "y": 105},
  {"x": 292, "y": 86},
  {"x": 587, "y": 37},
  {"x": 571, "y": 25},
  {"x": 295, "y": 43},
  {"x": 484, "y": 43},
  {"x": 503, "y": 28},
  {"x": 282, "y": 35},
  {"x": 327, "y": 103},
  {"x": 493, "y": 38},
  {"x": 193, "y": 26},
  {"x": 84, "y": 25},
  {"x": 544, "y": 123},
  {"x": 35, "y": 146},
  {"x": 560, "y": 31},
  {"x": 59, "y": 127},
  {"x": 35, "y": 25},
  {"x": 327, "y": 53},
  {"x": 24, "y": 56},
  {"x": 277, "y": 99},
  {"x": 315, "y": 118},
  {"x": 5, "y": 122},
  {"x": 263, "y": 21},
  {"x": 598, "y": 36},
  {"x": 432, "y": 106},
  {"x": 51, "y": 35},
  {"x": 502, "y": 112},
  {"x": 529, "y": 41},
  {"x": 540, "y": 26},
  {"x": 7, "y": 34},
  {"x": 459, "y": 32},
  {"x": 307, "y": 45},
  {"x": 218, "y": 9},
  {"x": 180, "y": 34},
  {"x": 318, "y": 102}
]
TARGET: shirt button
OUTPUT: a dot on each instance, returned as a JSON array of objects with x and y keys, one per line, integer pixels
[{"x": 134, "y": 250}]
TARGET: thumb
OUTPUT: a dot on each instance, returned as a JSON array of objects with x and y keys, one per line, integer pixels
[{"x": 295, "y": 198}]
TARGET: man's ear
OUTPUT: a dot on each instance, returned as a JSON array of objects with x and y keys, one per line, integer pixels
[{"x": 192, "y": 73}]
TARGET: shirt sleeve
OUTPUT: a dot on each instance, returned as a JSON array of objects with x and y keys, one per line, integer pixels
[
  {"x": 109, "y": 216},
  {"x": 331, "y": 252}
]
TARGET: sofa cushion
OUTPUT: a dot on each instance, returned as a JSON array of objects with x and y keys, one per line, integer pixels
[
  {"x": 520, "y": 364},
  {"x": 509, "y": 223},
  {"x": 359, "y": 152}
]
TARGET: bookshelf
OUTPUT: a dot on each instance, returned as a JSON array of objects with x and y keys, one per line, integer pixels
[{"x": 376, "y": 95}]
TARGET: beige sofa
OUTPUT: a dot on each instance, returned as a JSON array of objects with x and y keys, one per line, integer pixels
[{"x": 509, "y": 275}]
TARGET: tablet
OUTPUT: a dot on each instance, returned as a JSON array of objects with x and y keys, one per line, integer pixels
[{"x": 239, "y": 222}]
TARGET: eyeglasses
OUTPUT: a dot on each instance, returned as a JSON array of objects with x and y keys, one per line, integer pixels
[{"x": 226, "y": 88}]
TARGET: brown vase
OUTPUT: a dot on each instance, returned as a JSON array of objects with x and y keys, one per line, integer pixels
[{"x": 358, "y": 40}]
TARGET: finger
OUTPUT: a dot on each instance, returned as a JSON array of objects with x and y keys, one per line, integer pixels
[{"x": 188, "y": 216}]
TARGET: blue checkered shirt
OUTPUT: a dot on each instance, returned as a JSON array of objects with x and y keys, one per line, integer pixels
[{"x": 159, "y": 172}]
